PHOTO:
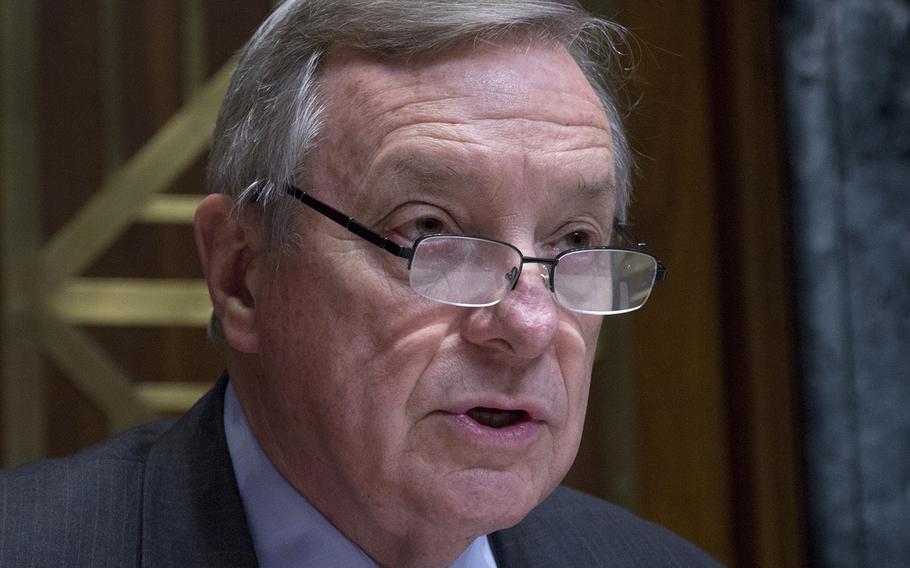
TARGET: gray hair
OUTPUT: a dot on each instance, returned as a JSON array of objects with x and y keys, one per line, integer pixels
[{"x": 272, "y": 113}]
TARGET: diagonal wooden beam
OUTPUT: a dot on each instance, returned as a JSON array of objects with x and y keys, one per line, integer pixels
[
  {"x": 93, "y": 371},
  {"x": 124, "y": 196}
]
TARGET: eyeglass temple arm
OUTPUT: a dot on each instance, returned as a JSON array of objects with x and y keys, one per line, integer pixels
[
  {"x": 350, "y": 224},
  {"x": 623, "y": 232}
]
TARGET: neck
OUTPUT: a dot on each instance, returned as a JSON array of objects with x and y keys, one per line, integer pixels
[{"x": 437, "y": 547}]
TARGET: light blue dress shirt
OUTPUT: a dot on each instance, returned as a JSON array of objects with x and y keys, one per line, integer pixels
[{"x": 287, "y": 531}]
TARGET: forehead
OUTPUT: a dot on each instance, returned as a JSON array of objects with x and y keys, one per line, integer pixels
[
  {"x": 472, "y": 108},
  {"x": 497, "y": 73}
]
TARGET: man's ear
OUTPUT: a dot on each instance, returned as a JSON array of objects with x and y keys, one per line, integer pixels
[{"x": 230, "y": 250}]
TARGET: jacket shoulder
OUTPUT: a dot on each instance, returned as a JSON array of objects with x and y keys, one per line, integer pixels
[
  {"x": 81, "y": 510},
  {"x": 570, "y": 528}
]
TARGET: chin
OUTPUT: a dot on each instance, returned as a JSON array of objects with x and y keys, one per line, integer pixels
[{"x": 490, "y": 500}]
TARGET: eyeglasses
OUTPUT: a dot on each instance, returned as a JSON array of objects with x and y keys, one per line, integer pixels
[{"x": 476, "y": 272}]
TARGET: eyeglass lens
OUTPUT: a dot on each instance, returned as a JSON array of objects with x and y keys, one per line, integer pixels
[
  {"x": 464, "y": 271},
  {"x": 471, "y": 271},
  {"x": 602, "y": 281}
]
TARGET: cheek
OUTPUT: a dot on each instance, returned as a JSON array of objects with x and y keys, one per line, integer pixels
[
  {"x": 368, "y": 418},
  {"x": 576, "y": 346},
  {"x": 358, "y": 346},
  {"x": 390, "y": 367}
]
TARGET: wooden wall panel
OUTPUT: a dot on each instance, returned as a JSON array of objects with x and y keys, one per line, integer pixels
[
  {"x": 111, "y": 70},
  {"x": 718, "y": 431},
  {"x": 72, "y": 158},
  {"x": 682, "y": 419},
  {"x": 758, "y": 294},
  {"x": 22, "y": 398}
]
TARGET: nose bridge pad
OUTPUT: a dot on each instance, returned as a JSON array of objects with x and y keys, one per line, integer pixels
[
  {"x": 512, "y": 276},
  {"x": 546, "y": 272}
]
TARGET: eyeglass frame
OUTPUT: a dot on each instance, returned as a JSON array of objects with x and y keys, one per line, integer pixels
[{"x": 407, "y": 253}]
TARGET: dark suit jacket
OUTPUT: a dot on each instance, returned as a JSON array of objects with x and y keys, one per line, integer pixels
[{"x": 165, "y": 495}]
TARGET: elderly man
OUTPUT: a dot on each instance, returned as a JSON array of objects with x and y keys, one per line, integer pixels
[{"x": 409, "y": 247}]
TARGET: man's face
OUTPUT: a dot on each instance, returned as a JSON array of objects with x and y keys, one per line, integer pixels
[{"x": 389, "y": 410}]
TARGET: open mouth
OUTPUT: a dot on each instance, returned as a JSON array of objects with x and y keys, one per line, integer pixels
[{"x": 495, "y": 417}]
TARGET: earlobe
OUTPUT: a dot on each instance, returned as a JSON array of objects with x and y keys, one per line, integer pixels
[{"x": 229, "y": 249}]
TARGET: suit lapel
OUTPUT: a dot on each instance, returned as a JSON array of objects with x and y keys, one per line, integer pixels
[
  {"x": 192, "y": 512},
  {"x": 548, "y": 536}
]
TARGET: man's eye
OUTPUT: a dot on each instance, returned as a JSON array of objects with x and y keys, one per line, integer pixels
[
  {"x": 577, "y": 239},
  {"x": 417, "y": 227},
  {"x": 428, "y": 226}
]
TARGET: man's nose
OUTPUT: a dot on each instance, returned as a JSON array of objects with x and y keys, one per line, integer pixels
[{"x": 523, "y": 323}]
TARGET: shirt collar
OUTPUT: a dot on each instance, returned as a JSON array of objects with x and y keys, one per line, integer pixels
[{"x": 287, "y": 531}]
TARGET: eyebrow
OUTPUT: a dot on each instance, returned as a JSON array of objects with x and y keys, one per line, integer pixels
[{"x": 596, "y": 189}]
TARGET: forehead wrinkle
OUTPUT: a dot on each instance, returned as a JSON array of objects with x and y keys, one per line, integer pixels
[
  {"x": 414, "y": 170},
  {"x": 450, "y": 164},
  {"x": 487, "y": 111},
  {"x": 517, "y": 135},
  {"x": 367, "y": 100},
  {"x": 522, "y": 129},
  {"x": 462, "y": 114}
]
